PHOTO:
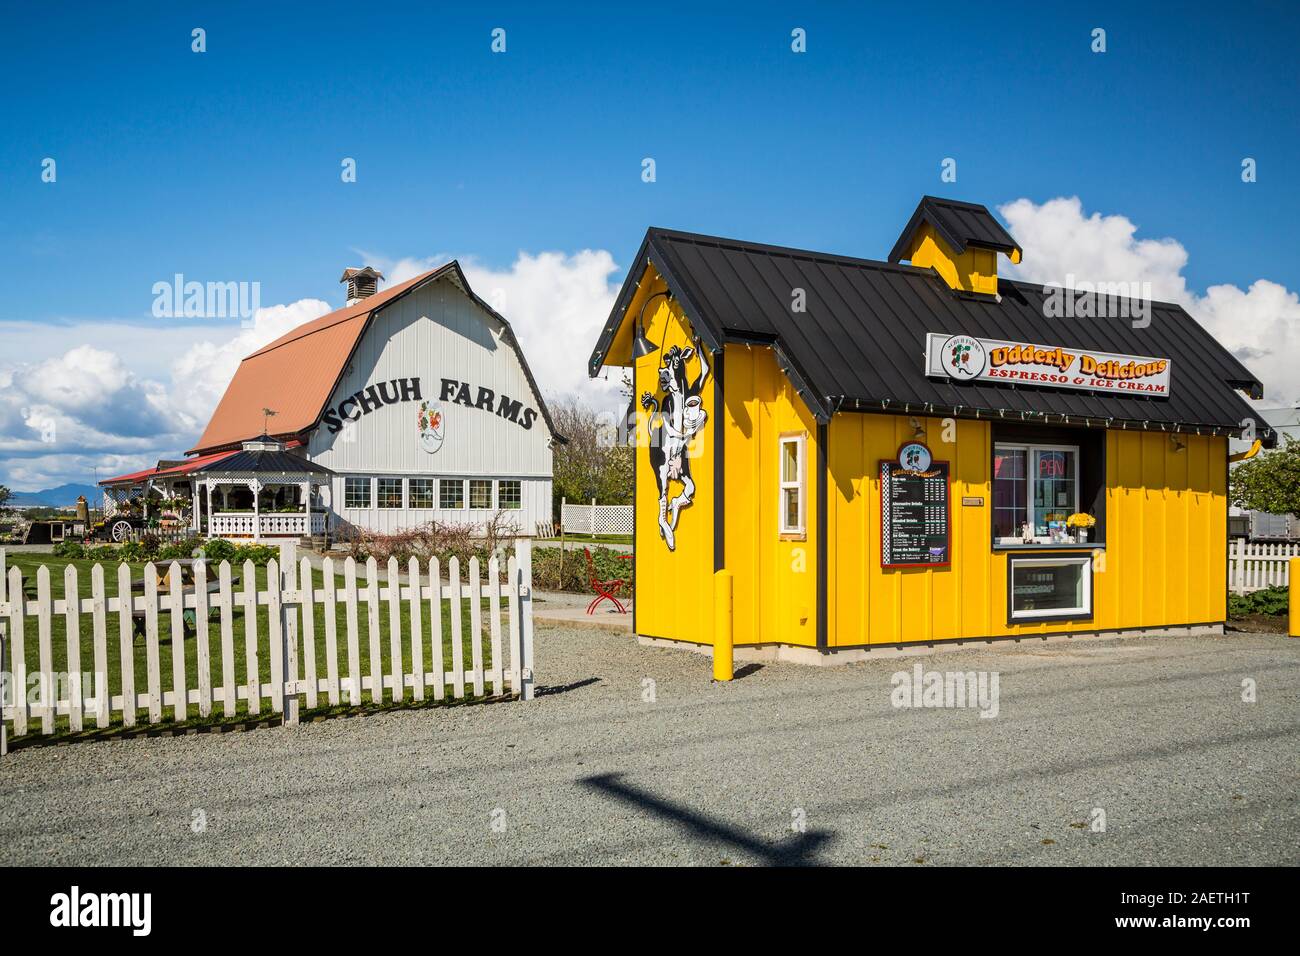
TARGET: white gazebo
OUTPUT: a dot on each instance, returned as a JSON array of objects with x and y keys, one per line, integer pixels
[{"x": 260, "y": 491}]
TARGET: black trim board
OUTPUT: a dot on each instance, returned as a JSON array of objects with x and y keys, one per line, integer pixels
[
  {"x": 823, "y": 507},
  {"x": 719, "y": 466}
]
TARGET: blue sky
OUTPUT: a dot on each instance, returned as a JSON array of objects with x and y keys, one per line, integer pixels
[{"x": 225, "y": 165}]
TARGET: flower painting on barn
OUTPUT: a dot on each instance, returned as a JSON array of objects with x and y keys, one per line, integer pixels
[{"x": 431, "y": 428}]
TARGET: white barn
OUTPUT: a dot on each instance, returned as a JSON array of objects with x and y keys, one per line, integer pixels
[{"x": 412, "y": 404}]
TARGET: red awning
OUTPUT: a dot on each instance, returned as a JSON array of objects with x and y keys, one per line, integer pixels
[{"x": 175, "y": 471}]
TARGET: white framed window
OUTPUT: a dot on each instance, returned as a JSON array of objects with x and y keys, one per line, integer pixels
[
  {"x": 1049, "y": 588},
  {"x": 510, "y": 494},
  {"x": 420, "y": 491},
  {"x": 480, "y": 493},
  {"x": 390, "y": 493},
  {"x": 451, "y": 494},
  {"x": 793, "y": 507},
  {"x": 1036, "y": 485},
  {"x": 356, "y": 492}
]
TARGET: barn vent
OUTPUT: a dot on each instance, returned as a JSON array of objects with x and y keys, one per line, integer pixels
[{"x": 361, "y": 283}]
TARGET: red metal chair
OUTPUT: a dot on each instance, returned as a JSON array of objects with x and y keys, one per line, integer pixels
[{"x": 605, "y": 590}]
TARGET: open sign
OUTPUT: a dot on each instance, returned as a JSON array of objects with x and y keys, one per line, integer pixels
[{"x": 1051, "y": 465}]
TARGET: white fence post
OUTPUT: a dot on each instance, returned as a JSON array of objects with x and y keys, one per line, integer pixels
[
  {"x": 1255, "y": 565},
  {"x": 287, "y": 690},
  {"x": 283, "y": 589},
  {"x": 524, "y": 551},
  {"x": 596, "y": 520},
  {"x": 6, "y": 673}
]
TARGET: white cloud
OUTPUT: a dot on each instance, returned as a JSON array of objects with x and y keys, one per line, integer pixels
[
  {"x": 1259, "y": 325},
  {"x": 201, "y": 374},
  {"x": 68, "y": 414},
  {"x": 556, "y": 303},
  {"x": 128, "y": 394}
]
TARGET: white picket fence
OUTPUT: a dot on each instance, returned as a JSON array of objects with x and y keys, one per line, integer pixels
[
  {"x": 296, "y": 608},
  {"x": 1254, "y": 565},
  {"x": 594, "y": 519}
]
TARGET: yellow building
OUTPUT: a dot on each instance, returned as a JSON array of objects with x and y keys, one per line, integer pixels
[{"x": 884, "y": 453}]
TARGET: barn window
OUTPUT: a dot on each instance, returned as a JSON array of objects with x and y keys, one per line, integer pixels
[
  {"x": 421, "y": 492},
  {"x": 509, "y": 495},
  {"x": 1036, "y": 485},
  {"x": 356, "y": 493},
  {"x": 451, "y": 493},
  {"x": 390, "y": 492},
  {"x": 480, "y": 492},
  {"x": 791, "y": 462}
]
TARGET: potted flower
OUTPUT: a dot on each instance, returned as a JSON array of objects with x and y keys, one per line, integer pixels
[{"x": 1081, "y": 523}]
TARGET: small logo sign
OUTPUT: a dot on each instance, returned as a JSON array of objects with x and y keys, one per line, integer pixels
[
  {"x": 914, "y": 456},
  {"x": 431, "y": 426},
  {"x": 963, "y": 357}
]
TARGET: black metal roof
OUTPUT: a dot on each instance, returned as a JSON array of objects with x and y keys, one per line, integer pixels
[
  {"x": 960, "y": 224},
  {"x": 248, "y": 461},
  {"x": 860, "y": 344}
]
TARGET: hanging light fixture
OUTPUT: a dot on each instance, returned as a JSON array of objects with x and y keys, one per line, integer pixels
[{"x": 641, "y": 345}]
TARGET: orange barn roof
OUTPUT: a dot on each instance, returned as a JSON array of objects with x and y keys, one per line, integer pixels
[{"x": 295, "y": 374}]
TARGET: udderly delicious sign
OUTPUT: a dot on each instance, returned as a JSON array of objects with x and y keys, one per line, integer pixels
[{"x": 965, "y": 358}]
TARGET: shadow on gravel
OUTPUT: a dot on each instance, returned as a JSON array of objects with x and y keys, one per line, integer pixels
[
  {"x": 565, "y": 688},
  {"x": 799, "y": 851},
  {"x": 742, "y": 672}
]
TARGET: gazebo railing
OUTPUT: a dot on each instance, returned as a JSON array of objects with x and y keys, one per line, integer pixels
[{"x": 272, "y": 524}]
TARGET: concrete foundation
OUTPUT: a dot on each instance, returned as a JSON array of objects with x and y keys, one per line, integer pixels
[{"x": 813, "y": 657}]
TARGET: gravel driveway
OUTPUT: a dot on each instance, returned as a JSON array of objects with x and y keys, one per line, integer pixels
[{"x": 1153, "y": 732}]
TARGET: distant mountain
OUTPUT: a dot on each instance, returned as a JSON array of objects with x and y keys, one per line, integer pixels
[{"x": 64, "y": 495}]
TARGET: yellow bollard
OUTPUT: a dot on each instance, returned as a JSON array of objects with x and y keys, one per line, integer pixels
[
  {"x": 722, "y": 636},
  {"x": 1294, "y": 587}
]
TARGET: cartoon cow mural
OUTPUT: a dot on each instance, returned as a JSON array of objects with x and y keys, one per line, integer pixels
[{"x": 680, "y": 418}]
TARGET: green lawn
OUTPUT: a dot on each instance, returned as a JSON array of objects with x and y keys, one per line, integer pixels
[{"x": 29, "y": 563}]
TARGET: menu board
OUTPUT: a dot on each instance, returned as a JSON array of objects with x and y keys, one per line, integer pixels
[{"x": 914, "y": 515}]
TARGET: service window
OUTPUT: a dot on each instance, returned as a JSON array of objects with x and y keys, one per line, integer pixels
[
  {"x": 1049, "y": 588},
  {"x": 356, "y": 492},
  {"x": 480, "y": 493},
  {"x": 390, "y": 492},
  {"x": 451, "y": 493},
  {"x": 1035, "y": 490},
  {"x": 792, "y": 507},
  {"x": 421, "y": 492},
  {"x": 510, "y": 495}
]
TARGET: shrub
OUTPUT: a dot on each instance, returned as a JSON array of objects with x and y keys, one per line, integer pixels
[
  {"x": 259, "y": 554},
  {"x": 174, "y": 551},
  {"x": 546, "y": 569},
  {"x": 72, "y": 550},
  {"x": 1271, "y": 601},
  {"x": 132, "y": 551},
  {"x": 217, "y": 550},
  {"x": 433, "y": 540}
]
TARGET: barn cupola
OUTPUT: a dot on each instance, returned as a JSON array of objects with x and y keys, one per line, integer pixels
[
  {"x": 362, "y": 283},
  {"x": 959, "y": 240}
]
